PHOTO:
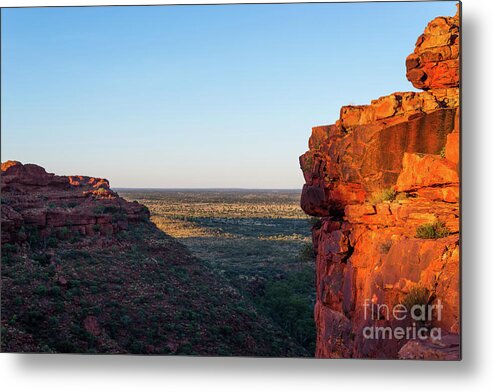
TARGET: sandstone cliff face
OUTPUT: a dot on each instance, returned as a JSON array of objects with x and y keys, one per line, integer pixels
[
  {"x": 48, "y": 205},
  {"x": 385, "y": 181}
]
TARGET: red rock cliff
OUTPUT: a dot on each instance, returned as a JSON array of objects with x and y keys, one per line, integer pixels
[
  {"x": 38, "y": 203},
  {"x": 385, "y": 181}
]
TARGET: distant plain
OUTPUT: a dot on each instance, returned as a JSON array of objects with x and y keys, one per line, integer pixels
[{"x": 258, "y": 239}]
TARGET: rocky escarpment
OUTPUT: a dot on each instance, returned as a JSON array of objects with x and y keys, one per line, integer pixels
[
  {"x": 43, "y": 205},
  {"x": 84, "y": 270},
  {"x": 384, "y": 179}
]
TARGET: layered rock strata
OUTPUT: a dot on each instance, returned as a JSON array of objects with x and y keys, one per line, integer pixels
[
  {"x": 384, "y": 180},
  {"x": 41, "y": 204}
]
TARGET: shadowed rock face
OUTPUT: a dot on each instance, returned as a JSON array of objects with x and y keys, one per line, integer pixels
[
  {"x": 85, "y": 271},
  {"x": 378, "y": 178},
  {"x": 33, "y": 199}
]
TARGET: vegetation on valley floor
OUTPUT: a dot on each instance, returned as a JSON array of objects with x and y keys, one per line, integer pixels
[
  {"x": 246, "y": 289},
  {"x": 259, "y": 240}
]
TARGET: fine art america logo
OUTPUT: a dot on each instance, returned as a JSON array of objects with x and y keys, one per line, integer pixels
[{"x": 420, "y": 316}]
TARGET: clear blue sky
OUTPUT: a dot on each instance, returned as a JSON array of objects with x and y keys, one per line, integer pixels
[{"x": 194, "y": 96}]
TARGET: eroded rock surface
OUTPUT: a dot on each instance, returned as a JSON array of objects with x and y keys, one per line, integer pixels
[
  {"x": 43, "y": 204},
  {"x": 435, "y": 61},
  {"x": 384, "y": 180}
]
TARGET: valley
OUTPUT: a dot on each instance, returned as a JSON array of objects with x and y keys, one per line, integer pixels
[{"x": 259, "y": 240}]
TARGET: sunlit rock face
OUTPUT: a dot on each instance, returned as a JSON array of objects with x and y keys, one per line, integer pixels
[
  {"x": 384, "y": 180},
  {"x": 435, "y": 61}
]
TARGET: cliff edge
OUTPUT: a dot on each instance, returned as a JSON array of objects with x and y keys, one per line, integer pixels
[
  {"x": 384, "y": 180},
  {"x": 52, "y": 206}
]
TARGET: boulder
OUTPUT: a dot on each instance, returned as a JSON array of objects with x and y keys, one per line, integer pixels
[{"x": 435, "y": 61}]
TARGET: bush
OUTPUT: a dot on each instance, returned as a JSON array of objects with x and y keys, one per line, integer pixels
[
  {"x": 33, "y": 236},
  {"x": 100, "y": 191},
  {"x": 53, "y": 322},
  {"x": 63, "y": 233},
  {"x": 315, "y": 222},
  {"x": 9, "y": 248},
  {"x": 112, "y": 210},
  {"x": 65, "y": 347},
  {"x": 289, "y": 302},
  {"x": 43, "y": 259},
  {"x": 99, "y": 210},
  {"x": 56, "y": 291},
  {"x": 387, "y": 194},
  {"x": 417, "y": 295},
  {"x": 442, "y": 152},
  {"x": 307, "y": 253},
  {"x": 432, "y": 230},
  {"x": 385, "y": 246},
  {"x": 33, "y": 319},
  {"x": 51, "y": 242},
  {"x": 41, "y": 290},
  {"x": 226, "y": 330}
]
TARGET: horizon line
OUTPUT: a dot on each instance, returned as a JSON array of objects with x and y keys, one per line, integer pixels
[{"x": 206, "y": 188}]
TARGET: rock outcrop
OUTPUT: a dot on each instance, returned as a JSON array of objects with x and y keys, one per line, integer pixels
[
  {"x": 85, "y": 271},
  {"x": 435, "y": 61},
  {"x": 45, "y": 205},
  {"x": 384, "y": 179}
]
